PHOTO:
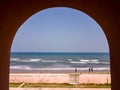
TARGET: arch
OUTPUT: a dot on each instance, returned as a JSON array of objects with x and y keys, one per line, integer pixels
[{"x": 14, "y": 13}]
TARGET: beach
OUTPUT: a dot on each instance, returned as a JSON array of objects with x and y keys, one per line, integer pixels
[
  {"x": 70, "y": 78},
  {"x": 60, "y": 68}
]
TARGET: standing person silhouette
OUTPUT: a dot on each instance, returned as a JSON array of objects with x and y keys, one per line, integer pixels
[
  {"x": 75, "y": 69},
  {"x": 91, "y": 69}
]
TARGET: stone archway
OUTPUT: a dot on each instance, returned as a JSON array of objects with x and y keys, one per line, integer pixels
[{"x": 15, "y": 12}]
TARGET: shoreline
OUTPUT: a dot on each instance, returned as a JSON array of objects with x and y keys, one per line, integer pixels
[
  {"x": 59, "y": 73},
  {"x": 58, "y": 70}
]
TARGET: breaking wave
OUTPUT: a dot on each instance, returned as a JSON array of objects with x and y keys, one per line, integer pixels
[{"x": 25, "y": 67}]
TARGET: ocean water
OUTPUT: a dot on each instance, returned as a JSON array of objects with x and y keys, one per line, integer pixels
[{"x": 58, "y": 62}]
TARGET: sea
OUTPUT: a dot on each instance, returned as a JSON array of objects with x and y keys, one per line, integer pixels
[{"x": 43, "y": 62}]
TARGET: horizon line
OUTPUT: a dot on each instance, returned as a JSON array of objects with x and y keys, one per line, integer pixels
[{"x": 52, "y": 52}]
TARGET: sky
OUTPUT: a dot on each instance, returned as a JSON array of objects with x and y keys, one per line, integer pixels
[{"x": 60, "y": 29}]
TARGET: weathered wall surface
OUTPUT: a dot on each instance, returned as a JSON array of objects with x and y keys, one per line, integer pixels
[
  {"x": 95, "y": 78},
  {"x": 39, "y": 78},
  {"x": 61, "y": 78}
]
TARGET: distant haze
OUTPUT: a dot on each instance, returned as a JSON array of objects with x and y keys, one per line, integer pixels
[{"x": 60, "y": 30}]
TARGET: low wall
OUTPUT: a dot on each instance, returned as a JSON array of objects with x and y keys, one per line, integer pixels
[
  {"x": 61, "y": 78},
  {"x": 39, "y": 78},
  {"x": 94, "y": 78}
]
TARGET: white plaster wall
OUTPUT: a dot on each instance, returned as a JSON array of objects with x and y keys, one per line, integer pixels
[{"x": 39, "y": 78}]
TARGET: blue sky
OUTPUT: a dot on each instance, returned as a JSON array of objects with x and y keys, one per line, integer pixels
[{"x": 60, "y": 30}]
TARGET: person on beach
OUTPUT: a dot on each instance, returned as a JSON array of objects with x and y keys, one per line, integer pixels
[
  {"x": 91, "y": 69},
  {"x": 75, "y": 69}
]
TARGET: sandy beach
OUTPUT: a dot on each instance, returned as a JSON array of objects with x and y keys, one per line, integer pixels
[{"x": 71, "y": 78}]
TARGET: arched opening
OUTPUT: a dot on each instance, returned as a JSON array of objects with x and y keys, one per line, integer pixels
[
  {"x": 14, "y": 13},
  {"x": 83, "y": 57}
]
